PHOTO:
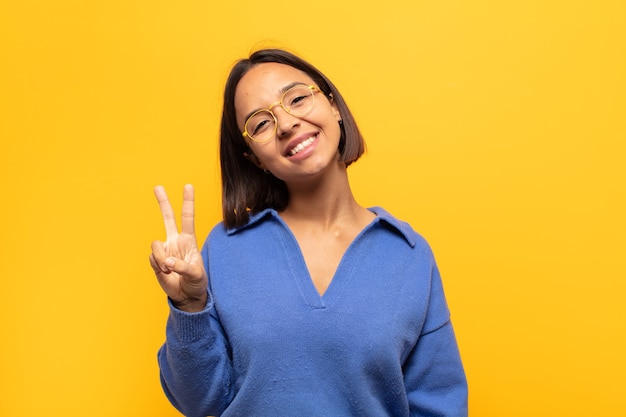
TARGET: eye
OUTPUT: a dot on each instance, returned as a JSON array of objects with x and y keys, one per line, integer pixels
[
  {"x": 296, "y": 96},
  {"x": 259, "y": 123},
  {"x": 258, "y": 127},
  {"x": 299, "y": 100}
]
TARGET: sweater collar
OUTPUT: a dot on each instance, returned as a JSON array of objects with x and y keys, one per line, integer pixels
[
  {"x": 405, "y": 229},
  {"x": 382, "y": 217}
]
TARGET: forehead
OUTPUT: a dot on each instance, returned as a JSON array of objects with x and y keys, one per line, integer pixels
[{"x": 262, "y": 84}]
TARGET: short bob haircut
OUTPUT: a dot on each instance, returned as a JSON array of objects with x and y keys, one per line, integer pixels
[{"x": 245, "y": 187}]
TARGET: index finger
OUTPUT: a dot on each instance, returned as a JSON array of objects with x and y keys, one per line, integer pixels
[
  {"x": 171, "y": 230},
  {"x": 188, "y": 210}
]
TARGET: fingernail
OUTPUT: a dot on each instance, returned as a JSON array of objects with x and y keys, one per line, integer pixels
[{"x": 169, "y": 262}]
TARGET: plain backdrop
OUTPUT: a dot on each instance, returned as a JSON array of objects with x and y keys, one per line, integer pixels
[{"x": 495, "y": 128}]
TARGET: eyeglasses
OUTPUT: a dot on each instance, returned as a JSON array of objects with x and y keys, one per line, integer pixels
[{"x": 297, "y": 101}]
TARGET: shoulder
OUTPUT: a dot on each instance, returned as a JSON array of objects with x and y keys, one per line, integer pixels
[
  {"x": 400, "y": 228},
  {"x": 220, "y": 232}
]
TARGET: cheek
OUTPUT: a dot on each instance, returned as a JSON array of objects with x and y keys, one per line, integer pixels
[
  {"x": 328, "y": 117},
  {"x": 263, "y": 151},
  {"x": 333, "y": 129}
]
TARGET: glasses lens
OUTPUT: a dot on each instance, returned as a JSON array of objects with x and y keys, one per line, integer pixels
[
  {"x": 260, "y": 126},
  {"x": 298, "y": 100}
]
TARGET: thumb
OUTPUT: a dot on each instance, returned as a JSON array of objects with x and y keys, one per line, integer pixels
[{"x": 183, "y": 268}]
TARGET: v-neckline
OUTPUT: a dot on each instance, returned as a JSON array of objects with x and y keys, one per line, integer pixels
[{"x": 302, "y": 275}]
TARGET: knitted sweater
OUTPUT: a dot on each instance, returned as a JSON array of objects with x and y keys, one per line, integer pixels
[{"x": 379, "y": 342}]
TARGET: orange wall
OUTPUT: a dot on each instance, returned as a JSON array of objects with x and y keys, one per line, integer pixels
[{"x": 495, "y": 128}]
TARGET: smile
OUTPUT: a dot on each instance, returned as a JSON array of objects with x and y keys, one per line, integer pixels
[{"x": 302, "y": 145}]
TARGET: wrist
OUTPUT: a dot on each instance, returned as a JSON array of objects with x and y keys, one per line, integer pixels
[{"x": 192, "y": 305}]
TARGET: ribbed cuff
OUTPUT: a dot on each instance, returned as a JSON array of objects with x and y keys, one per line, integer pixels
[{"x": 189, "y": 327}]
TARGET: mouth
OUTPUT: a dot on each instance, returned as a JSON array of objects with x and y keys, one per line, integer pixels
[{"x": 301, "y": 145}]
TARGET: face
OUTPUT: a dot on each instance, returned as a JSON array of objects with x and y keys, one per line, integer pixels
[{"x": 303, "y": 146}]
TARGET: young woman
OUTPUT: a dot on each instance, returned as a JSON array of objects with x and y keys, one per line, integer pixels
[{"x": 301, "y": 302}]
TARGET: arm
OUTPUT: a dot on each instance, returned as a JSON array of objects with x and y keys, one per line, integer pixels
[
  {"x": 196, "y": 372},
  {"x": 434, "y": 376}
]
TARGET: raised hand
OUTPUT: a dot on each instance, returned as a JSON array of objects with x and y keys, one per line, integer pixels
[{"x": 177, "y": 263}]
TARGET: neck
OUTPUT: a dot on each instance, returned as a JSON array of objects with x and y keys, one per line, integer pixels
[{"x": 325, "y": 202}]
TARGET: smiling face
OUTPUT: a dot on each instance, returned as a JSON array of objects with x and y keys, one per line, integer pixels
[{"x": 302, "y": 146}]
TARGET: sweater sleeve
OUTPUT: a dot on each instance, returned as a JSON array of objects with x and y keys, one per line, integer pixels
[
  {"x": 195, "y": 364},
  {"x": 196, "y": 372},
  {"x": 434, "y": 377}
]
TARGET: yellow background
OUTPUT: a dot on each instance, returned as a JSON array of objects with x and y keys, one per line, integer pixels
[{"x": 495, "y": 128}]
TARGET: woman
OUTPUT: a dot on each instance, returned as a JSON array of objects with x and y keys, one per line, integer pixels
[{"x": 301, "y": 302}]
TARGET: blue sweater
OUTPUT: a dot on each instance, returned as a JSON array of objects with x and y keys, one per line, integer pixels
[{"x": 379, "y": 342}]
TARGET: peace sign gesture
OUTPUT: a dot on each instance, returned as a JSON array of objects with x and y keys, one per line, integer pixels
[{"x": 177, "y": 263}]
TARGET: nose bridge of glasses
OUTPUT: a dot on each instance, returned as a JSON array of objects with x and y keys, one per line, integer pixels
[
  {"x": 278, "y": 103},
  {"x": 283, "y": 119}
]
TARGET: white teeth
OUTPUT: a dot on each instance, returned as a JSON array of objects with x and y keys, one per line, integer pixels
[{"x": 301, "y": 146}]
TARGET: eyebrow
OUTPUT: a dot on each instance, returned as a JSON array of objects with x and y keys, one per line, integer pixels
[{"x": 281, "y": 91}]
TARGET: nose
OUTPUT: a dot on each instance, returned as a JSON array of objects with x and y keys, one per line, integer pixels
[{"x": 285, "y": 123}]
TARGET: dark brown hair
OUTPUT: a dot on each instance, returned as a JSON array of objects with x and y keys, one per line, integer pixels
[{"x": 245, "y": 187}]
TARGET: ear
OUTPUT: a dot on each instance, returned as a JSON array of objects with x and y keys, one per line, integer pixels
[
  {"x": 250, "y": 156},
  {"x": 334, "y": 106}
]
